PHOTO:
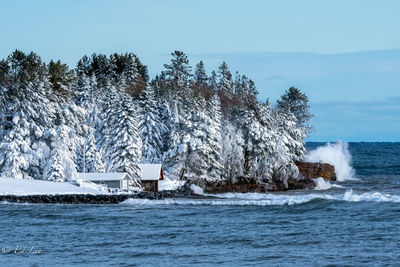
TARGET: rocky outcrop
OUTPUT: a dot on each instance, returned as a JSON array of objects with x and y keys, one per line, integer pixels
[
  {"x": 239, "y": 187},
  {"x": 309, "y": 170},
  {"x": 292, "y": 184}
]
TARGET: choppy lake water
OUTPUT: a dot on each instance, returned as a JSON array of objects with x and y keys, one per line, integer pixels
[{"x": 353, "y": 222}]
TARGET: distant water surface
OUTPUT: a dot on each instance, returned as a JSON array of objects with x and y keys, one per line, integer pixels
[{"x": 354, "y": 222}]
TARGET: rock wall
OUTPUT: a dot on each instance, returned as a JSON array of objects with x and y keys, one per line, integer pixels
[{"x": 183, "y": 192}]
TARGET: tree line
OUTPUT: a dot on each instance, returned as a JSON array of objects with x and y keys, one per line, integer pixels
[{"x": 106, "y": 115}]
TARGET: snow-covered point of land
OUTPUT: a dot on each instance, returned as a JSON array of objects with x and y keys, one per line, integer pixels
[
  {"x": 197, "y": 189},
  {"x": 169, "y": 184},
  {"x": 9, "y": 186}
]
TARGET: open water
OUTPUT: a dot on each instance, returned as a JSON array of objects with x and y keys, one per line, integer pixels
[{"x": 352, "y": 222}]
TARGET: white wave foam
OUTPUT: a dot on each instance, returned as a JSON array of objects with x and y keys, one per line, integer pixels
[
  {"x": 336, "y": 154},
  {"x": 256, "y": 199},
  {"x": 321, "y": 184},
  {"x": 223, "y": 202},
  {"x": 370, "y": 196}
]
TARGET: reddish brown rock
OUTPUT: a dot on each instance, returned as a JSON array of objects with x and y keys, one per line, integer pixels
[
  {"x": 307, "y": 171},
  {"x": 293, "y": 184},
  {"x": 225, "y": 187},
  {"x": 311, "y": 170},
  {"x": 241, "y": 187}
]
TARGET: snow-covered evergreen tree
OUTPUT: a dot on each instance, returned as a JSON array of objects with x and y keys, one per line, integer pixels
[
  {"x": 178, "y": 73},
  {"x": 62, "y": 159},
  {"x": 232, "y": 153},
  {"x": 175, "y": 157},
  {"x": 56, "y": 171},
  {"x": 15, "y": 150},
  {"x": 225, "y": 85},
  {"x": 213, "y": 81},
  {"x": 124, "y": 144},
  {"x": 295, "y": 102},
  {"x": 213, "y": 129},
  {"x": 200, "y": 76},
  {"x": 89, "y": 158},
  {"x": 151, "y": 129}
]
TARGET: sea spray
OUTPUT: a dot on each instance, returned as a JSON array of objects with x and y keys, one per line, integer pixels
[
  {"x": 336, "y": 154},
  {"x": 321, "y": 184}
]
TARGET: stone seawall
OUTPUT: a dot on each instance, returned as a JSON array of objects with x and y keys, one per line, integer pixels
[{"x": 96, "y": 199}]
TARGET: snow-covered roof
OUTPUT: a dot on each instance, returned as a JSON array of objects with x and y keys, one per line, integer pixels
[
  {"x": 150, "y": 171},
  {"x": 99, "y": 176}
]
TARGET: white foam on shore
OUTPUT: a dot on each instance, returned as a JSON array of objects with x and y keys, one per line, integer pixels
[
  {"x": 256, "y": 199},
  {"x": 338, "y": 155}
]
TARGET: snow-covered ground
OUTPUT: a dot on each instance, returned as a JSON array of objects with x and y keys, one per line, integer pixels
[
  {"x": 169, "y": 184},
  {"x": 10, "y": 186}
]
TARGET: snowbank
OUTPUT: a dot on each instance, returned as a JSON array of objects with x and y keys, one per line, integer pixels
[
  {"x": 169, "y": 184},
  {"x": 19, "y": 187}
]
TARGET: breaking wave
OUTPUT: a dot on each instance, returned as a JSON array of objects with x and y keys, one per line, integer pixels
[
  {"x": 336, "y": 154},
  {"x": 321, "y": 184},
  {"x": 256, "y": 199}
]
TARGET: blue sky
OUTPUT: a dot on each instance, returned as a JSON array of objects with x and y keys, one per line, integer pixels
[{"x": 314, "y": 45}]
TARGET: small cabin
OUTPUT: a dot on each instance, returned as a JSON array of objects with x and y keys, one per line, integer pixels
[
  {"x": 112, "y": 180},
  {"x": 151, "y": 174}
]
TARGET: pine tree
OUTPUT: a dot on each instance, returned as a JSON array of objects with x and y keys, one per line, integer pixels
[
  {"x": 238, "y": 86},
  {"x": 56, "y": 169},
  {"x": 61, "y": 165},
  {"x": 225, "y": 85},
  {"x": 124, "y": 145},
  {"x": 104, "y": 124},
  {"x": 296, "y": 102},
  {"x": 200, "y": 76},
  {"x": 213, "y": 81},
  {"x": 213, "y": 129},
  {"x": 178, "y": 75},
  {"x": 232, "y": 153},
  {"x": 196, "y": 164},
  {"x": 151, "y": 129},
  {"x": 175, "y": 158},
  {"x": 179, "y": 69},
  {"x": 61, "y": 78},
  {"x": 15, "y": 152},
  {"x": 89, "y": 159}
]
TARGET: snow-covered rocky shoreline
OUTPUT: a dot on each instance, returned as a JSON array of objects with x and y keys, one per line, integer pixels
[
  {"x": 96, "y": 198},
  {"x": 39, "y": 191}
]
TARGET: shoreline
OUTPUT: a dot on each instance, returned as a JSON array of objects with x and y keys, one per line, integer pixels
[{"x": 88, "y": 198}]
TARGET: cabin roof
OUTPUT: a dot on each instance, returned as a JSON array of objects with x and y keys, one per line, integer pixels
[
  {"x": 150, "y": 172},
  {"x": 101, "y": 176}
]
